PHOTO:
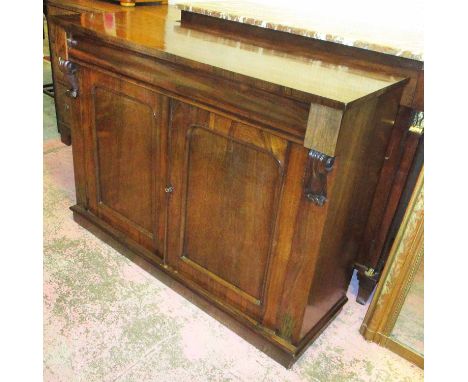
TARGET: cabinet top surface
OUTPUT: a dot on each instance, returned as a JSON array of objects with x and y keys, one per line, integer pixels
[
  {"x": 157, "y": 31},
  {"x": 365, "y": 25}
]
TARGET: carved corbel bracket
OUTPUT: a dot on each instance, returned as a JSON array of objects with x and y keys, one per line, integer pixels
[
  {"x": 315, "y": 181},
  {"x": 69, "y": 69}
]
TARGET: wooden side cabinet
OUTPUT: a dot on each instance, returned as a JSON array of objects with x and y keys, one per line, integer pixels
[
  {"x": 58, "y": 51},
  {"x": 251, "y": 195}
]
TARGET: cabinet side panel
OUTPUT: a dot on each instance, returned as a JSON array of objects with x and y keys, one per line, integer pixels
[{"x": 360, "y": 155}]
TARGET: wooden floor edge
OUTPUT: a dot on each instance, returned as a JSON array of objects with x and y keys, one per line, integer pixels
[{"x": 263, "y": 339}]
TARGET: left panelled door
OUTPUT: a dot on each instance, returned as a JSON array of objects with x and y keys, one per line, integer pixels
[{"x": 124, "y": 139}]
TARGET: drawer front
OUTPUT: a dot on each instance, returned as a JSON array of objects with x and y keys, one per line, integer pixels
[
  {"x": 58, "y": 49},
  {"x": 52, "y": 28},
  {"x": 284, "y": 116},
  {"x": 59, "y": 76},
  {"x": 62, "y": 103},
  {"x": 58, "y": 40},
  {"x": 53, "y": 11}
]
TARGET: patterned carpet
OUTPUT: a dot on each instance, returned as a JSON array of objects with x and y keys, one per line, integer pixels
[{"x": 106, "y": 319}]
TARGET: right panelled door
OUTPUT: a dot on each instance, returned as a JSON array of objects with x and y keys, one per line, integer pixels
[{"x": 225, "y": 188}]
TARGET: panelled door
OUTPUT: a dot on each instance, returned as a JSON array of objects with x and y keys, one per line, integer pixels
[
  {"x": 225, "y": 184},
  {"x": 124, "y": 155}
]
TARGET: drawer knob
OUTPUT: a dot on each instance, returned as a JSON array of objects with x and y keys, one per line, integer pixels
[
  {"x": 70, "y": 69},
  {"x": 72, "y": 42}
]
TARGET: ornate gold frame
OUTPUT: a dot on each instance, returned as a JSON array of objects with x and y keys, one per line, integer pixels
[{"x": 403, "y": 262}]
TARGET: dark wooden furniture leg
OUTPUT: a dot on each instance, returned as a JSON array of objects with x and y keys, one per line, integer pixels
[
  {"x": 367, "y": 279},
  {"x": 48, "y": 89}
]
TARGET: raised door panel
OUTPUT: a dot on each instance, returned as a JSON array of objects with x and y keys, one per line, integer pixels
[
  {"x": 227, "y": 179},
  {"x": 125, "y": 158},
  {"x": 123, "y": 128}
]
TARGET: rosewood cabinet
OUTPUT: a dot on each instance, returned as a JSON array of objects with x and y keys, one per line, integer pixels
[{"x": 250, "y": 187}]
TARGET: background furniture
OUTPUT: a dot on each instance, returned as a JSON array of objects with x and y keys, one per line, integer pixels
[
  {"x": 398, "y": 179},
  {"x": 47, "y": 88},
  {"x": 59, "y": 50},
  {"x": 395, "y": 316}
]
